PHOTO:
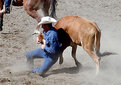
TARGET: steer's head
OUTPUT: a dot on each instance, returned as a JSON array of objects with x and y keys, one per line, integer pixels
[{"x": 40, "y": 38}]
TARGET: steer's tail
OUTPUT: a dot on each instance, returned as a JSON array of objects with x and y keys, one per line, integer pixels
[
  {"x": 53, "y": 8},
  {"x": 97, "y": 40}
]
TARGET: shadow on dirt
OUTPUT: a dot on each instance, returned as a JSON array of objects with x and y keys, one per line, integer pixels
[
  {"x": 107, "y": 54},
  {"x": 70, "y": 70}
]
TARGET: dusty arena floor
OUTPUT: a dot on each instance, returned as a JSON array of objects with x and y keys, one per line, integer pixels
[{"x": 16, "y": 39}]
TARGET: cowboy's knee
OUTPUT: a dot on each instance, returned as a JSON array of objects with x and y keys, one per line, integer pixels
[
  {"x": 28, "y": 55},
  {"x": 53, "y": 61}
]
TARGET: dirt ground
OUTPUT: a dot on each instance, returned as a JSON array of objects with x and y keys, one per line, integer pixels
[{"x": 16, "y": 39}]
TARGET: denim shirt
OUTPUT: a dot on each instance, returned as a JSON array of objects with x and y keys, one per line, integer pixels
[{"x": 52, "y": 43}]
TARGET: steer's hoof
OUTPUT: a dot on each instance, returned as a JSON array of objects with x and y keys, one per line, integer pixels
[{"x": 60, "y": 59}]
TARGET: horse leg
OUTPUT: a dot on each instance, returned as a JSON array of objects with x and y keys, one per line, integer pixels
[
  {"x": 32, "y": 12},
  {"x": 53, "y": 8},
  {"x": 88, "y": 47},
  {"x": 46, "y": 7},
  {"x": 74, "y": 48},
  {"x": 31, "y": 9}
]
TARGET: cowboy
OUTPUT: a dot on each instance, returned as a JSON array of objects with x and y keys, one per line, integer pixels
[
  {"x": 6, "y": 9},
  {"x": 49, "y": 51}
]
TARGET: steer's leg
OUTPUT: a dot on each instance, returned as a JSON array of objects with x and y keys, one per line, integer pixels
[
  {"x": 62, "y": 48},
  {"x": 88, "y": 47},
  {"x": 61, "y": 59},
  {"x": 97, "y": 43},
  {"x": 74, "y": 48}
]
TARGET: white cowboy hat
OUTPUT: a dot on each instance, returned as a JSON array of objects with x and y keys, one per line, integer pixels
[{"x": 47, "y": 20}]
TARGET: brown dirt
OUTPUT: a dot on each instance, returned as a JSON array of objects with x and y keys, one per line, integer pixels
[{"x": 16, "y": 39}]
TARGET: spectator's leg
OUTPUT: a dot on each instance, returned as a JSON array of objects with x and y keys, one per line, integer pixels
[{"x": 7, "y": 6}]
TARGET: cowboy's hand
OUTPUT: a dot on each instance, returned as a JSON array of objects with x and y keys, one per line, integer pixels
[
  {"x": 43, "y": 46},
  {"x": 38, "y": 41}
]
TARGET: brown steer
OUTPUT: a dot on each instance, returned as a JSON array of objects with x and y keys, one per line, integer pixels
[{"x": 82, "y": 32}]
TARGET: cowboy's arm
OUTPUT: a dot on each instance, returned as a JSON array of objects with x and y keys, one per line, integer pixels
[
  {"x": 51, "y": 44},
  {"x": 43, "y": 45},
  {"x": 43, "y": 42}
]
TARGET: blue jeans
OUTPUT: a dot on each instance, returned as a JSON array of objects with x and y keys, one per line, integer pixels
[
  {"x": 48, "y": 60},
  {"x": 7, "y": 4}
]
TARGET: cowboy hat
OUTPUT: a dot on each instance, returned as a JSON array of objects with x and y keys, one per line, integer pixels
[{"x": 47, "y": 20}]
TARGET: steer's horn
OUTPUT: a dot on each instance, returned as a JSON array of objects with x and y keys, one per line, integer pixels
[{"x": 36, "y": 32}]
